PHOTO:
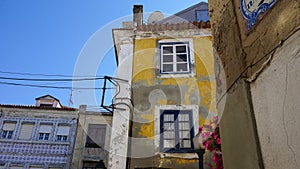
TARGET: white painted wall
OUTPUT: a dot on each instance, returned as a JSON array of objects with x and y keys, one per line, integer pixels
[
  {"x": 121, "y": 116},
  {"x": 276, "y": 102}
]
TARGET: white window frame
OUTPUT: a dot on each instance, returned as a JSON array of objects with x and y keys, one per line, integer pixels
[
  {"x": 158, "y": 109},
  {"x": 43, "y": 138},
  {"x": 62, "y": 137},
  {"x": 5, "y": 133},
  {"x": 43, "y": 133},
  {"x": 191, "y": 72}
]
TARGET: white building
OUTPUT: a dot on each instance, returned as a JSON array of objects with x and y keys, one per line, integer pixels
[{"x": 38, "y": 137}]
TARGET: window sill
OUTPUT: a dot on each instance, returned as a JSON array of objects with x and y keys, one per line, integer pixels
[
  {"x": 179, "y": 155},
  {"x": 177, "y": 75}
]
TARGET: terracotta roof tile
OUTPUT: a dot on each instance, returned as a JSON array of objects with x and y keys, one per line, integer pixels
[
  {"x": 64, "y": 108},
  {"x": 176, "y": 26}
]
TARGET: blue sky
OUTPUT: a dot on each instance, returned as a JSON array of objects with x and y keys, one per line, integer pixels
[{"x": 47, "y": 36}]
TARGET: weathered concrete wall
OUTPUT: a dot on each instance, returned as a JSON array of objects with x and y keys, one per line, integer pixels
[
  {"x": 239, "y": 143},
  {"x": 244, "y": 55},
  {"x": 278, "y": 118},
  {"x": 119, "y": 145},
  {"x": 81, "y": 153}
]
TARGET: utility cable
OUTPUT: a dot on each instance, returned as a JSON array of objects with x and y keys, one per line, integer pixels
[
  {"x": 40, "y": 74},
  {"x": 42, "y": 79},
  {"x": 53, "y": 87}
]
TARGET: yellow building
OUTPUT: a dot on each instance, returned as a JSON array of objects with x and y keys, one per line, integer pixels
[{"x": 172, "y": 83}]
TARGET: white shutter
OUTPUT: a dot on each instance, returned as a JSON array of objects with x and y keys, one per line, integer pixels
[
  {"x": 45, "y": 128},
  {"x": 26, "y": 131},
  {"x": 63, "y": 130},
  {"x": 9, "y": 126}
]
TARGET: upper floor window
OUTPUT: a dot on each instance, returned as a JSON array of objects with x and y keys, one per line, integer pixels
[
  {"x": 96, "y": 136},
  {"x": 202, "y": 15},
  {"x": 8, "y": 129},
  {"x": 26, "y": 131},
  {"x": 175, "y": 57},
  {"x": 176, "y": 130},
  {"x": 44, "y": 131},
  {"x": 62, "y": 133}
]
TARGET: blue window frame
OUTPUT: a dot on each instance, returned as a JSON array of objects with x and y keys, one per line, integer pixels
[
  {"x": 175, "y": 58},
  {"x": 177, "y": 131}
]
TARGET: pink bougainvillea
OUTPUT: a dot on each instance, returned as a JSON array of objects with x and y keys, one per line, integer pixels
[{"x": 212, "y": 142}]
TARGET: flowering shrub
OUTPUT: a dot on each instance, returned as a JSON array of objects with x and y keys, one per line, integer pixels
[{"x": 212, "y": 142}]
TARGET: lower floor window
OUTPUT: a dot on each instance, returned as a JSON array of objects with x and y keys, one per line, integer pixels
[
  {"x": 176, "y": 130},
  {"x": 44, "y": 136},
  {"x": 61, "y": 138},
  {"x": 7, "y": 134}
]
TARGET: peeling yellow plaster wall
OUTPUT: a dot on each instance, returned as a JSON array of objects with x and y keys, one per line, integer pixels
[{"x": 144, "y": 71}]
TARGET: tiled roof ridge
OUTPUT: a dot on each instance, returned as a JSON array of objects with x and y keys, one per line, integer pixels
[
  {"x": 37, "y": 107},
  {"x": 174, "y": 26}
]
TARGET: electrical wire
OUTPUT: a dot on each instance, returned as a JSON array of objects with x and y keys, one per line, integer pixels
[
  {"x": 53, "y": 87},
  {"x": 43, "y": 79},
  {"x": 40, "y": 74}
]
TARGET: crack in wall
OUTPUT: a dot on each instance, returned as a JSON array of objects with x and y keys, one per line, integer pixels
[
  {"x": 283, "y": 113},
  {"x": 261, "y": 69}
]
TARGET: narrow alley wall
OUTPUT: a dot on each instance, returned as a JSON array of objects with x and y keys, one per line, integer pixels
[{"x": 258, "y": 124}]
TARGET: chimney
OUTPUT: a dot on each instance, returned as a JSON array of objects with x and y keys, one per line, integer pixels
[{"x": 138, "y": 15}]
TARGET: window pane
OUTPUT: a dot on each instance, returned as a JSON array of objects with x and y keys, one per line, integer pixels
[
  {"x": 167, "y": 58},
  {"x": 184, "y": 126},
  {"x": 167, "y": 67},
  {"x": 182, "y": 67},
  {"x": 168, "y": 126},
  {"x": 185, "y": 143},
  {"x": 184, "y": 134},
  {"x": 181, "y": 58},
  {"x": 181, "y": 49},
  {"x": 167, "y": 49},
  {"x": 169, "y": 117},
  {"x": 10, "y": 133},
  {"x": 169, "y": 143},
  {"x": 183, "y": 117},
  {"x": 202, "y": 15},
  {"x": 169, "y": 135}
]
